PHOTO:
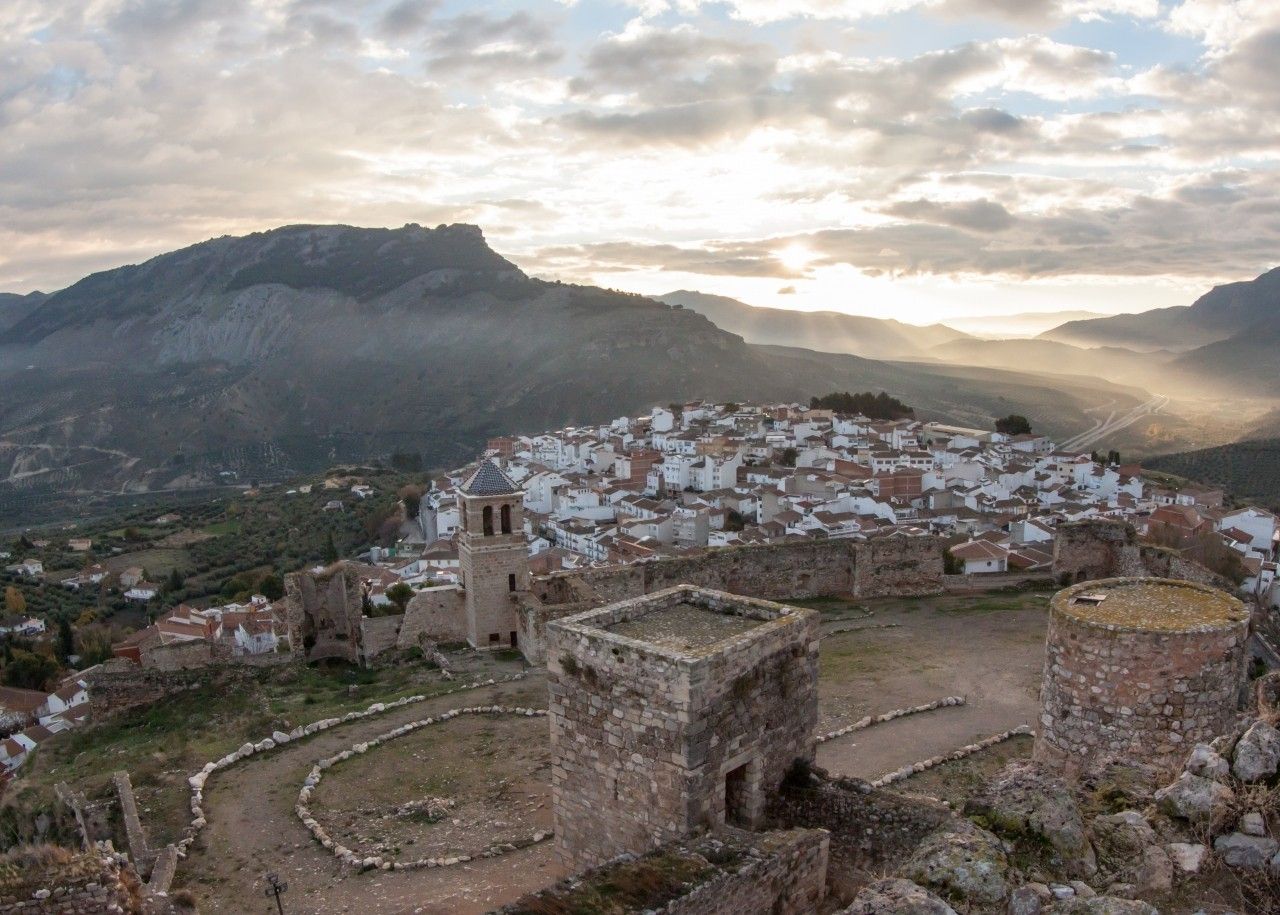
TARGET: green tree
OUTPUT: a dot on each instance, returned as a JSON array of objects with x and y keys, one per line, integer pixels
[
  {"x": 271, "y": 587},
  {"x": 400, "y": 594},
  {"x": 411, "y": 496},
  {"x": 175, "y": 581},
  {"x": 14, "y": 602},
  {"x": 331, "y": 550},
  {"x": 66, "y": 639},
  {"x": 29, "y": 670},
  {"x": 787, "y": 458},
  {"x": 1013, "y": 424}
]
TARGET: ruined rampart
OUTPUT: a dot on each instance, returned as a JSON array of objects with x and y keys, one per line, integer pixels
[
  {"x": 775, "y": 571},
  {"x": 727, "y": 873},
  {"x": 48, "y": 880},
  {"x": 1095, "y": 549},
  {"x": 434, "y": 615},
  {"x": 120, "y": 687},
  {"x": 869, "y": 827}
]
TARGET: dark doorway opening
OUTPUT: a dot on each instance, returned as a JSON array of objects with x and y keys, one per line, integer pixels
[
  {"x": 513, "y": 638},
  {"x": 736, "y": 800}
]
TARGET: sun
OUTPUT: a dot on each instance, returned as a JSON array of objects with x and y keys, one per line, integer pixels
[{"x": 795, "y": 257}]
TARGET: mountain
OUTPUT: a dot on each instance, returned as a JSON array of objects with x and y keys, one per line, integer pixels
[
  {"x": 1023, "y": 324},
  {"x": 266, "y": 355},
  {"x": 14, "y": 308},
  {"x": 1221, "y": 313},
  {"x": 1116, "y": 364},
  {"x": 825, "y": 331},
  {"x": 1245, "y": 364}
]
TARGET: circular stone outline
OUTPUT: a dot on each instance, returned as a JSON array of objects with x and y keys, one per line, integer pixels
[{"x": 351, "y": 857}]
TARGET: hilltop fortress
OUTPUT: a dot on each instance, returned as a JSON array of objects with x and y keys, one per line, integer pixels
[{"x": 499, "y": 604}]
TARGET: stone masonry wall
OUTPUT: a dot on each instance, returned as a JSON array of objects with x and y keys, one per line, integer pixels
[
  {"x": 324, "y": 613},
  {"x": 196, "y": 655},
  {"x": 1120, "y": 693},
  {"x": 436, "y": 615},
  {"x": 869, "y": 827},
  {"x": 642, "y": 741},
  {"x": 116, "y": 689},
  {"x": 54, "y": 881},
  {"x": 730, "y": 872},
  {"x": 379, "y": 634},
  {"x": 533, "y": 626},
  {"x": 1088, "y": 550},
  {"x": 775, "y": 571}
]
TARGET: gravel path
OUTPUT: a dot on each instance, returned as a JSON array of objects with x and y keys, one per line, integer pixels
[{"x": 252, "y": 829}]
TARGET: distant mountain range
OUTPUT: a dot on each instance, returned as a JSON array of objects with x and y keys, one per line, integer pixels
[
  {"x": 287, "y": 350},
  {"x": 825, "y": 331},
  {"x": 1023, "y": 324}
]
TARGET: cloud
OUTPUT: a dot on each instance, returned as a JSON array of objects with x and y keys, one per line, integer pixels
[{"x": 708, "y": 144}]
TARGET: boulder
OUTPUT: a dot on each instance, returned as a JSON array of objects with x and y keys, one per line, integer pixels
[
  {"x": 1206, "y": 762},
  {"x": 1194, "y": 798},
  {"x": 1026, "y": 901},
  {"x": 1187, "y": 858},
  {"x": 1024, "y": 803},
  {"x": 1252, "y": 824},
  {"x": 1245, "y": 852},
  {"x": 1153, "y": 874},
  {"x": 1121, "y": 838},
  {"x": 967, "y": 866},
  {"x": 898, "y": 897},
  {"x": 1104, "y": 905},
  {"x": 1257, "y": 753}
]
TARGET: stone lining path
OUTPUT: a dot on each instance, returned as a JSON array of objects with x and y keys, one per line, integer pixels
[{"x": 252, "y": 828}]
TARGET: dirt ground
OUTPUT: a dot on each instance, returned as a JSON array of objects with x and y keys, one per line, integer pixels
[
  {"x": 493, "y": 771},
  {"x": 988, "y": 648},
  {"x": 252, "y": 830}
]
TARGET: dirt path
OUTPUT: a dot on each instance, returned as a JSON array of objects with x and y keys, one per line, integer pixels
[
  {"x": 989, "y": 649},
  {"x": 993, "y": 658},
  {"x": 252, "y": 829}
]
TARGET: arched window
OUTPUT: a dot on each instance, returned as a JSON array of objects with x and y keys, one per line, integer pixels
[
  {"x": 487, "y": 517},
  {"x": 506, "y": 519}
]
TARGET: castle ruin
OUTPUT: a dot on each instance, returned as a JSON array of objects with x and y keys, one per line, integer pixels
[
  {"x": 674, "y": 712},
  {"x": 1138, "y": 669}
]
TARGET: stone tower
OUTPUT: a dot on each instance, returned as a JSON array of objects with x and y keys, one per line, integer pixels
[
  {"x": 674, "y": 712},
  {"x": 493, "y": 558}
]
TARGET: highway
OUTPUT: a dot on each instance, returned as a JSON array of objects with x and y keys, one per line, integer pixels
[{"x": 1113, "y": 424}]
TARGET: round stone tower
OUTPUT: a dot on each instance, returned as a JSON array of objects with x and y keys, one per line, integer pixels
[{"x": 1138, "y": 669}]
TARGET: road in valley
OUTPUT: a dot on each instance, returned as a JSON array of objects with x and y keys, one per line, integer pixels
[{"x": 1113, "y": 424}]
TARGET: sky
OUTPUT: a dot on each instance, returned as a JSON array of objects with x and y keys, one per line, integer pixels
[{"x": 915, "y": 159}]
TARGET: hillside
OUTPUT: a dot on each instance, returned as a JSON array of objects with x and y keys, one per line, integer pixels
[
  {"x": 1113, "y": 363},
  {"x": 1222, "y": 312},
  {"x": 1247, "y": 363},
  {"x": 825, "y": 331},
  {"x": 1022, "y": 324},
  {"x": 281, "y": 352},
  {"x": 14, "y": 308},
  {"x": 1248, "y": 470}
]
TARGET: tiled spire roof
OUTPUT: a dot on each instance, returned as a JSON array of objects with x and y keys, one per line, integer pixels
[{"x": 488, "y": 480}]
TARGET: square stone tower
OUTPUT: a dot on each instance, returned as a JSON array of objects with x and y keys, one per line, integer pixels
[
  {"x": 492, "y": 556},
  {"x": 674, "y": 711}
]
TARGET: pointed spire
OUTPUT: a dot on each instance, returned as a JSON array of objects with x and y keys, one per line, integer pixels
[{"x": 489, "y": 480}]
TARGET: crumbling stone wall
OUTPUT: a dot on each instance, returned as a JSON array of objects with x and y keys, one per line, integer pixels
[
  {"x": 869, "y": 827},
  {"x": 1100, "y": 548},
  {"x": 118, "y": 688},
  {"x": 196, "y": 655},
  {"x": 1085, "y": 550},
  {"x": 1133, "y": 692},
  {"x": 647, "y": 741},
  {"x": 777, "y": 571},
  {"x": 324, "y": 613},
  {"x": 48, "y": 880},
  {"x": 533, "y": 625},
  {"x": 727, "y": 873},
  {"x": 433, "y": 614},
  {"x": 379, "y": 634}
]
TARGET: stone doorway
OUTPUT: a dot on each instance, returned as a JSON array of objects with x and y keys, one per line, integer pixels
[{"x": 737, "y": 798}]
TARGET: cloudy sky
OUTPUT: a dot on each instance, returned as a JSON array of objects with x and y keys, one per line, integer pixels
[{"x": 921, "y": 159}]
